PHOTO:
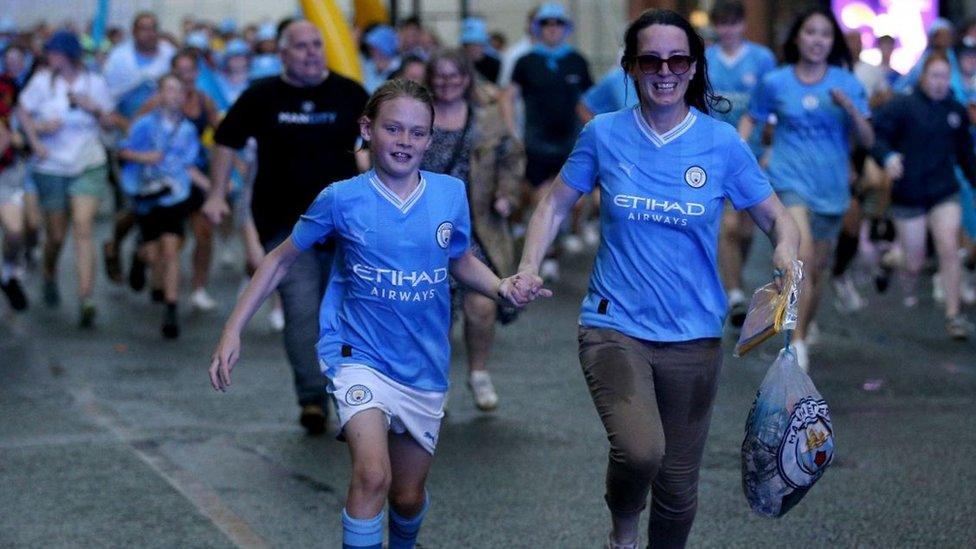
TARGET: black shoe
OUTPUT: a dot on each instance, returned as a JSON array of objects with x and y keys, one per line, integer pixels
[
  {"x": 113, "y": 267},
  {"x": 86, "y": 318},
  {"x": 158, "y": 296},
  {"x": 737, "y": 314},
  {"x": 137, "y": 273},
  {"x": 171, "y": 330},
  {"x": 15, "y": 294},
  {"x": 882, "y": 280},
  {"x": 313, "y": 419}
]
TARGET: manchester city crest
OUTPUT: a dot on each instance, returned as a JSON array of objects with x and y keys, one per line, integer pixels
[
  {"x": 358, "y": 395},
  {"x": 954, "y": 120},
  {"x": 808, "y": 446},
  {"x": 695, "y": 177},
  {"x": 443, "y": 235},
  {"x": 810, "y": 102},
  {"x": 749, "y": 79},
  {"x": 308, "y": 106}
]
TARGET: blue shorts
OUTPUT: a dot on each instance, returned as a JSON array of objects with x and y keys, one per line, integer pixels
[
  {"x": 823, "y": 227},
  {"x": 903, "y": 211}
]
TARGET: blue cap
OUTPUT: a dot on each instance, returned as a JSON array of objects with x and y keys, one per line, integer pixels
[
  {"x": 65, "y": 42},
  {"x": 940, "y": 23},
  {"x": 7, "y": 25},
  {"x": 227, "y": 26},
  {"x": 197, "y": 39},
  {"x": 474, "y": 31},
  {"x": 265, "y": 65},
  {"x": 267, "y": 31},
  {"x": 551, "y": 10},
  {"x": 383, "y": 38},
  {"x": 236, "y": 47}
]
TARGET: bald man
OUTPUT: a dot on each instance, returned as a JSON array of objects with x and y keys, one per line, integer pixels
[{"x": 305, "y": 125}]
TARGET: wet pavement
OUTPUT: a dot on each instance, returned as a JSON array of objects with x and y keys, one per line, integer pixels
[{"x": 113, "y": 437}]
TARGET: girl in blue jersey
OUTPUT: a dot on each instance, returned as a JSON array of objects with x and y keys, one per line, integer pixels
[
  {"x": 651, "y": 324},
  {"x": 386, "y": 313},
  {"x": 817, "y": 103}
]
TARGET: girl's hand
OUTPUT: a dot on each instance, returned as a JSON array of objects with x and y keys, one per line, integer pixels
[{"x": 223, "y": 360}]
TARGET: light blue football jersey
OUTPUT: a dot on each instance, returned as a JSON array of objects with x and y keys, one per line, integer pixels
[
  {"x": 734, "y": 78},
  {"x": 811, "y": 144},
  {"x": 662, "y": 196},
  {"x": 387, "y": 305},
  {"x": 613, "y": 92}
]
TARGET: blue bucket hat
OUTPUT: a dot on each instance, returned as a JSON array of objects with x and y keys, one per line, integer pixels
[
  {"x": 65, "y": 42},
  {"x": 267, "y": 31},
  {"x": 227, "y": 26},
  {"x": 551, "y": 10},
  {"x": 197, "y": 39},
  {"x": 383, "y": 38},
  {"x": 474, "y": 31}
]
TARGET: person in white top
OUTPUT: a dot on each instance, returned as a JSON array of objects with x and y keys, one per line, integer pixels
[{"x": 65, "y": 106}]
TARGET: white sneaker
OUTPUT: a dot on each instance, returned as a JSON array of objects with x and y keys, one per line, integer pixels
[
  {"x": 802, "y": 358},
  {"x": 572, "y": 244},
  {"x": 813, "y": 334},
  {"x": 846, "y": 297},
  {"x": 591, "y": 234},
  {"x": 277, "y": 319},
  {"x": 201, "y": 301},
  {"x": 967, "y": 293},
  {"x": 549, "y": 270},
  {"x": 483, "y": 390},
  {"x": 228, "y": 259},
  {"x": 938, "y": 291}
]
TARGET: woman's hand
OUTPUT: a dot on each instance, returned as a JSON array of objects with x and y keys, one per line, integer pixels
[
  {"x": 521, "y": 289},
  {"x": 894, "y": 167},
  {"x": 223, "y": 360},
  {"x": 49, "y": 126}
]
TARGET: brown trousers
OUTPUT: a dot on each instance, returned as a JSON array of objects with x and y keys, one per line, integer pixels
[{"x": 655, "y": 401}]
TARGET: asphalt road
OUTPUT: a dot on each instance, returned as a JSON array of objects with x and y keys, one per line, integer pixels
[{"x": 113, "y": 437}]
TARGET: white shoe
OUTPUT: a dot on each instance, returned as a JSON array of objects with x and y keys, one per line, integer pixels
[
  {"x": 610, "y": 544},
  {"x": 938, "y": 291},
  {"x": 549, "y": 270},
  {"x": 967, "y": 293},
  {"x": 483, "y": 390},
  {"x": 846, "y": 297},
  {"x": 572, "y": 244},
  {"x": 228, "y": 260},
  {"x": 591, "y": 234},
  {"x": 277, "y": 319},
  {"x": 201, "y": 301},
  {"x": 802, "y": 358},
  {"x": 909, "y": 302},
  {"x": 813, "y": 334}
]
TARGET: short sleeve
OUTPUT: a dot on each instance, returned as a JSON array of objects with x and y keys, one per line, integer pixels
[
  {"x": 761, "y": 102},
  {"x": 581, "y": 168},
  {"x": 32, "y": 95},
  {"x": 238, "y": 125},
  {"x": 600, "y": 98},
  {"x": 318, "y": 222},
  {"x": 101, "y": 95},
  {"x": 461, "y": 234},
  {"x": 747, "y": 185}
]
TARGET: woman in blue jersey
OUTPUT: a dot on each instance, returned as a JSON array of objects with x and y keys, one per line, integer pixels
[
  {"x": 651, "y": 324},
  {"x": 817, "y": 103},
  {"x": 386, "y": 313}
]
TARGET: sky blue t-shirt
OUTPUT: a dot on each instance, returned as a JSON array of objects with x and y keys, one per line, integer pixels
[
  {"x": 387, "y": 305},
  {"x": 613, "y": 92},
  {"x": 180, "y": 146},
  {"x": 662, "y": 196},
  {"x": 811, "y": 143},
  {"x": 734, "y": 78}
]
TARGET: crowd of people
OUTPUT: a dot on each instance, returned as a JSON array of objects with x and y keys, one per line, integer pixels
[{"x": 685, "y": 145}]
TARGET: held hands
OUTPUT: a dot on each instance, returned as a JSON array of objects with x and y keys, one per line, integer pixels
[
  {"x": 215, "y": 208},
  {"x": 503, "y": 207},
  {"x": 521, "y": 289},
  {"x": 894, "y": 168},
  {"x": 223, "y": 360}
]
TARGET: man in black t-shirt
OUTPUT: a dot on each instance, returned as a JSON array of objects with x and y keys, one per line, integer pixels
[{"x": 305, "y": 125}]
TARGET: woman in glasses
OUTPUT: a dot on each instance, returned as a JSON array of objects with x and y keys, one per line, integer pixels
[
  {"x": 817, "y": 102},
  {"x": 472, "y": 142},
  {"x": 651, "y": 322}
]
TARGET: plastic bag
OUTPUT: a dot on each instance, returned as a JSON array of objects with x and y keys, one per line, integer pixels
[
  {"x": 771, "y": 311},
  {"x": 789, "y": 439}
]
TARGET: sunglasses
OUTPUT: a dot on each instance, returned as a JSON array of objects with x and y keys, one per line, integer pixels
[
  {"x": 548, "y": 22},
  {"x": 651, "y": 64}
]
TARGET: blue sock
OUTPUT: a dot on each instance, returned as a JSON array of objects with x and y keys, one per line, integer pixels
[
  {"x": 362, "y": 533},
  {"x": 403, "y": 532}
]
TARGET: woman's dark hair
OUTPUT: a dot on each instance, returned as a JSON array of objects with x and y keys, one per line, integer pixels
[
  {"x": 398, "y": 87},
  {"x": 840, "y": 54},
  {"x": 699, "y": 94}
]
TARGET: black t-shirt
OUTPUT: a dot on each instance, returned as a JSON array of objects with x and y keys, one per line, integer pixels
[
  {"x": 305, "y": 137},
  {"x": 550, "y": 96},
  {"x": 488, "y": 67}
]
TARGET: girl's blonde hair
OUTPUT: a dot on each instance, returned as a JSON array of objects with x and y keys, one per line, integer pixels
[{"x": 398, "y": 87}]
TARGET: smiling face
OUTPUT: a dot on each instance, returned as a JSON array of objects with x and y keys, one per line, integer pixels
[
  {"x": 171, "y": 95},
  {"x": 448, "y": 82},
  {"x": 815, "y": 39},
  {"x": 399, "y": 136},
  {"x": 302, "y": 54},
  {"x": 663, "y": 88}
]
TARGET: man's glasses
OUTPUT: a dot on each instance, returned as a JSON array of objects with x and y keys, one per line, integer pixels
[
  {"x": 548, "y": 22},
  {"x": 651, "y": 64}
]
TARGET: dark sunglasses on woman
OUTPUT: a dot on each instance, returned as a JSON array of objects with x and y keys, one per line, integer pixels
[{"x": 651, "y": 64}]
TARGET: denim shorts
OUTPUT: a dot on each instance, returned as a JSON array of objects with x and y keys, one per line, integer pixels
[
  {"x": 55, "y": 190},
  {"x": 906, "y": 211},
  {"x": 12, "y": 184},
  {"x": 823, "y": 227}
]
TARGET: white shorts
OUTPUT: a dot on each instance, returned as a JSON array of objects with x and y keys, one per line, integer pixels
[{"x": 357, "y": 387}]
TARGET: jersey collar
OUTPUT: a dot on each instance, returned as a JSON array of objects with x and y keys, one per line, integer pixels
[
  {"x": 660, "y": 140},
  {"x": 404, "y": 205}
]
